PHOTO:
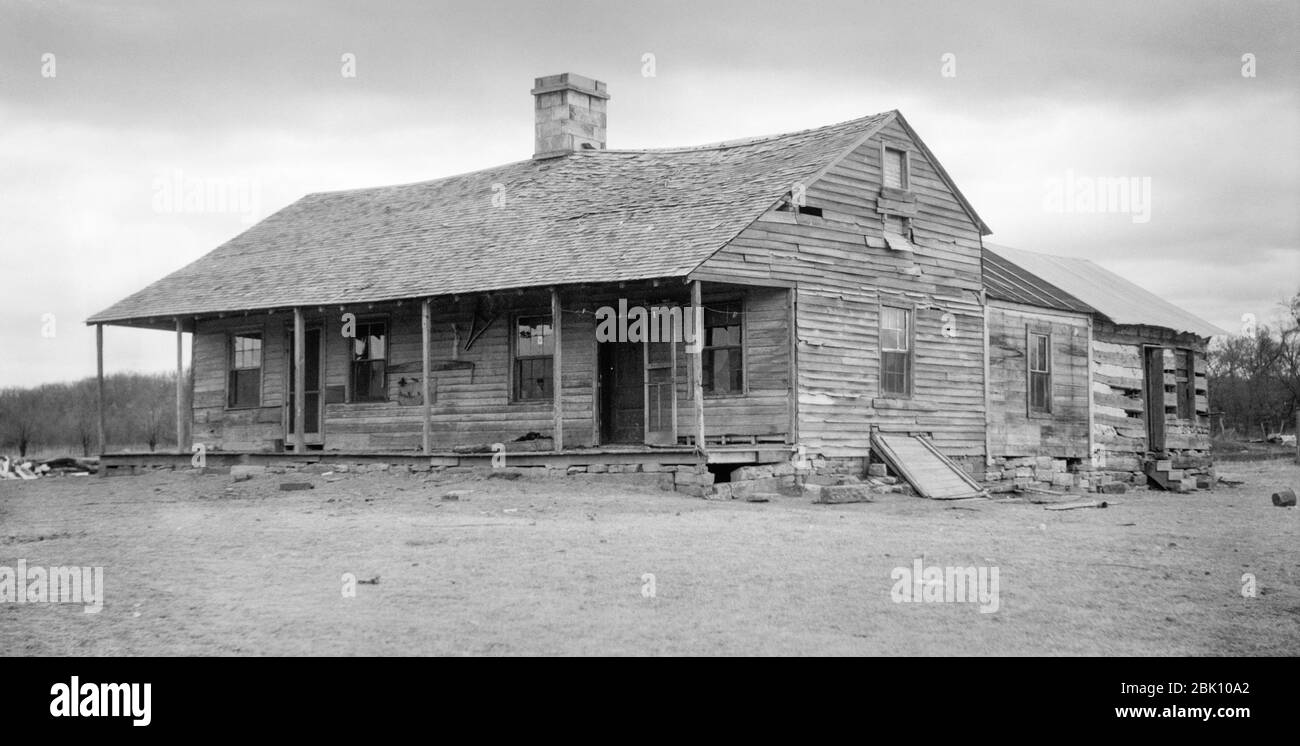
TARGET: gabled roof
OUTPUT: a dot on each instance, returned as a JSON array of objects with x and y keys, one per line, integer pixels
[
  {"x": 1079, "y": 285},
  {"x": 591, "y": 216}
]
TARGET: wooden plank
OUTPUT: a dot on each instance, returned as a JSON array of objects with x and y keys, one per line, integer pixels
[
  {"x": 697, "y": 368},
  {"x": 426, "y": 344},
  {"x": 180, "y": 387},
  {"x": 924, "y": 467},
  {"x": 299, "y": 382},
  {"x": 792, "y": 363},
  {"x": 1092, "y": 401},
  {"x": 988, "y": 394},
  {"x": 99, "y": 382},
  {"x": 557, "y": 376}
]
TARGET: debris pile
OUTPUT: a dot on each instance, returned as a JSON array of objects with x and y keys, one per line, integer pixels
[{"x": 28, "y": 469}]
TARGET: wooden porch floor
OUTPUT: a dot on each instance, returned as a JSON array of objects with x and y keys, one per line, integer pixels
[{"x": 607, "y": 455}]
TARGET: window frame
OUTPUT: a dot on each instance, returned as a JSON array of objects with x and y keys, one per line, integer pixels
[
  {"x": 515, "y": 357},
  {"x": 905, "y": 174},
  {"x": 1185, "y": 392},
  {"x": 1030, "y": 409},
  {"x": 365, "y": 321},
  {"x": 231, "y": 336},
  {"x": 910, "y": 335},
  {"x": 739, "y": 302}
]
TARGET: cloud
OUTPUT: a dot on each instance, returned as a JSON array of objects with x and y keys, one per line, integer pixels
[{"x": 253, "y": 94}]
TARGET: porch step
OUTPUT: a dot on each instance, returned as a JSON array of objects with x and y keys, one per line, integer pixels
[{"x": 1162, "y": 473}]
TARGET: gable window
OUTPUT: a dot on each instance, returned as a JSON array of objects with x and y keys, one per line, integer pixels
[
  {"x": 1184, "y": 383},
  {"x": 534, "y": 348},
  {"x": 245, "y": 386},
  {"x": 895, "y": 351},
  {"x": 1040, "y": 373},
  {"x": 895, "y": 168},
  {"x": 370, "y": 361},
  {"x": 723, "y": 351}
]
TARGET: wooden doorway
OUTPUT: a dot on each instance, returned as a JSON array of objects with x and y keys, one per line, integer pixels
[
  {"x": 1153, "y": 394},
  {"x": 313, "y": 414},
  {"x": 622, "y": 394}
]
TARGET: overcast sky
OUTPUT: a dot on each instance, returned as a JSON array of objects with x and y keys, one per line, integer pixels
[{"x": 253, "y": 95}]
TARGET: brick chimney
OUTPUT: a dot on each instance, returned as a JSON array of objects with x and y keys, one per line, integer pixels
[{"x": 570, "y": 114}]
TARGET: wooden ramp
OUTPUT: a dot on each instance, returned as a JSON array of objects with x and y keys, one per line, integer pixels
[{"x": 920, "y": 463}]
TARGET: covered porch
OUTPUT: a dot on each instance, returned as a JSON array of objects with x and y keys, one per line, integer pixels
[{"x": 464, "y": 377}]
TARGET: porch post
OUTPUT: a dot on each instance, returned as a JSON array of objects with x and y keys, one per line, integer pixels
[
  {"x": 697, "y": 368},
  {"x": 425, "y": 319},
  {"x": 99, "y": 368},
  {"x": 557, "y": 382},
  {"x": 299, "y": 382},
  {"x": 180, "y": 390}
]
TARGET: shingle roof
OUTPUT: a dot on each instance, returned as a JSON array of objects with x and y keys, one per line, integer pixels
[
  {"x": 592, "y": 216},
  {"x": 1080, "y": 285}
]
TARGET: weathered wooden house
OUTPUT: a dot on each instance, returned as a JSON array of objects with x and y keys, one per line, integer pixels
[
  {"x": 1092, "y": 379},
  {"x": 832, "y": 281}
]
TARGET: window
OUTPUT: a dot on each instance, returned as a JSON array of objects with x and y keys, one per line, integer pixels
[
  {"x": 723, "y": 352},
  {"x": 895, "y": 168},
  {"x": 534, "y": 349},
  {"x": 1040, "y": 373},
  {"x": 370, "y": 362},
  {"x": 895, "y": 351},
  {"x": 1185, "y": 383},
  {"x": 245, "y": 386}
]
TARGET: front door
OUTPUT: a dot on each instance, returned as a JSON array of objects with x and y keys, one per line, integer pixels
[
  {"x": 312, "y": 388},
  {"x": 1153, "y": 390},
  {"x": 622, "y": 394},
  {"x": 660, "y": 393}
]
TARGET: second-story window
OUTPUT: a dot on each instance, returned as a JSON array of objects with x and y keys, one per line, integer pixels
[{"x": 895, "y": 168}]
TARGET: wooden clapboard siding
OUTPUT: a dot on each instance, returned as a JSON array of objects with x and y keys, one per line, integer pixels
[
  {"x": 841, "y": 283},
  {"x": 215, "y": 426},
  {"x": 764, "y": 409},
  {"x": 1013, "y": 431},
  {"x": 471, "y": 405}
]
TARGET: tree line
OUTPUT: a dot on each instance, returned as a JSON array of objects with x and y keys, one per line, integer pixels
[
  {"x": 63, "y": 418},
  {"x": 1254, "y": 377}
]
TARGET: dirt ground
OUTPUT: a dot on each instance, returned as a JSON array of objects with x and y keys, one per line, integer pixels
[{"x": 200, "y": 565}]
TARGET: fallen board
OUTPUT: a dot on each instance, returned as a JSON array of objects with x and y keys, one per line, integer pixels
[{"x": 931, "y": 473}]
